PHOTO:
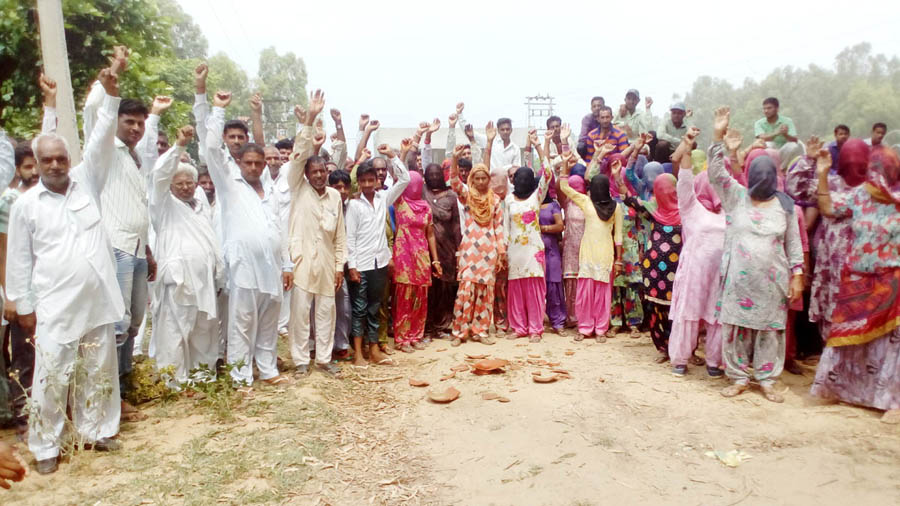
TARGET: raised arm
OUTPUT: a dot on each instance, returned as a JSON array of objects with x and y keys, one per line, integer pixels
[
  {"x": 165, "y": 168},
  {"x": 456, "y": 185},
  {"x": 480, "y": 139},
  {"x": 99, "y": 151},
  {"x": 215, "y": 158},
  {"x": 201, "y": 107},
  {"x": 426, "y": 150},
  {"x": 491, "y": 133},
  {"x": 48, "y": 90},
  {"x": 256, "y": 119},
  {"x": 304, "y": 143},
  {"x": 725, "y": 185},
  {"x": 146, "y": 147},
  {"x": 365, "y": 132},
  {"x": 400, "y": 171}
]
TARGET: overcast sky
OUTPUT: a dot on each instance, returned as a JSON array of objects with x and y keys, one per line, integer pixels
[{"x": 405, "y": 61}]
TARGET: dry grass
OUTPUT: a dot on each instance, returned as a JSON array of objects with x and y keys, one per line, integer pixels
[{"x": 317, "y": 441}]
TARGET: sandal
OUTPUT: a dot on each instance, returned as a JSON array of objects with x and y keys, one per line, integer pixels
[
  {"x": 612, "y": 331},
  {"x": 419, "y": 346},
  {"x": 386, "y": 361},
  {"x": 601, "y": 339},
  {"x": 734, "y": 389},
  {"x": 406, "y": 348},
  {"x": 456, "y": 342},
  {"x": 488, "y": 340},
  {"x": 534, "y": 339},
  {"x": 662, "y": 358},
  {"x": 771, "y": 395},
  {"x": 579, "y": 337},
  {"x": 695, "y": 360},
  {"x": 635, "y": 332},
  {"x": 277, "y": 380}
]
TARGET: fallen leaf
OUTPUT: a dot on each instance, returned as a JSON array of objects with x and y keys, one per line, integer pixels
[
  {"x": 553, "y": 364},
  {"x": 534, "y": 355},
  {"x": 544, "y": 379},
  {"x": 442, "y": 349},
  {"x": 449, "y": 395},
  {"x": 413, "y": 382},
  {"x": 460, "y": 368},
  {"x": 513, "y": 390},
  {"x": 560, "y": 371},
  {"x": 449, "y": 376},
  {"x": 569, "y": 353},
  {"x": 476, "y": 357},
  {"x": 489, "y": 396},
  {"x": 502, "y": 399}
]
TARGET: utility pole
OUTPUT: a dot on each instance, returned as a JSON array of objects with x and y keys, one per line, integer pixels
[{"x": 56, "y": 66}]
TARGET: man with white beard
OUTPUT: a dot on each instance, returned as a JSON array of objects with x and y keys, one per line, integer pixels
[
  {"x": 61, "y": 267},
  {"x": 189, "y": 272}
]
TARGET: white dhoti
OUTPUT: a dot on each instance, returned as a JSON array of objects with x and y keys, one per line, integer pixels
[
  {"x": 252, "y": 333},
  {"x": 284, "y": 318},
  {"x": 301, "y": 300},
  {"x": 183, "y": 337},
  {"x": 89, "y": 366}
]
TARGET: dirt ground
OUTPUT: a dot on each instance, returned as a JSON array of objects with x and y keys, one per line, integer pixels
[{"x": 621, "y": 430}]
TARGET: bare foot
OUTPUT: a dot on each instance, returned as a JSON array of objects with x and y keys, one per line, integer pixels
[
  {"x": 734, "y": 389},
  {"x": 359, "y": 360},
  {"x": 377, "y": 357},
  {"x": 891, "y": 416}
]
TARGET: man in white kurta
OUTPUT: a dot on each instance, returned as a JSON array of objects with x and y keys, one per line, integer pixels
[
  {"x": 256, "y": 260},
  {"x": 317, "y": 245},
  {"x": 61, "y": 274},
  {"x": 189, "y": 272}
]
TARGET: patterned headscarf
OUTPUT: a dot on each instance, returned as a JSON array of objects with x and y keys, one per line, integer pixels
[{"x": 481, "y": 205}]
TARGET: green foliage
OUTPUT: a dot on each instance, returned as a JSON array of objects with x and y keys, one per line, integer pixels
[
  {"x": 165, "y": 47},
  {"x": 860, "y": 90},
  {"x": 282, "y": 84}
]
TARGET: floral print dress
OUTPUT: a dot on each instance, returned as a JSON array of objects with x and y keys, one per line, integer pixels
[{"x": 525, "y": 244}]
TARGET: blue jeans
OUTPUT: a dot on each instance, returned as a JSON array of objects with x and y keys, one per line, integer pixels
[
  {"x": 131, "y": 273},
  {"x": 367, "y": 296}
]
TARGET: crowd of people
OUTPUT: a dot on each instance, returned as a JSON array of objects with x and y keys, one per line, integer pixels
[{"x": 357, "y": 251}]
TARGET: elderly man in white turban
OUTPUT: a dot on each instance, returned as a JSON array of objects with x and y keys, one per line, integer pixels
[
  {"x": 62, "y": 277},
  {"x": 189, "y": 267}
]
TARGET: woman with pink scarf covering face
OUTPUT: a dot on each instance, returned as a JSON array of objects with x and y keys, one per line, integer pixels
[
  {"x": 415, "y": 259},
  {"x": 697, "y": 283}
]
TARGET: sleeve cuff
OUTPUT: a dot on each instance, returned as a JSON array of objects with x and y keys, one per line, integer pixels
[
  {"x": 24, "y": 307},
  {"x": 200, "y": 98}
]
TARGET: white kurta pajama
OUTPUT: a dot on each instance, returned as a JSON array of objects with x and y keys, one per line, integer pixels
[
  {"x": 317, "y": 246},
  {"x": 61, "y": 267},
  {"x": 185, "y": 330},
  {"x": 255, "y": 256}
]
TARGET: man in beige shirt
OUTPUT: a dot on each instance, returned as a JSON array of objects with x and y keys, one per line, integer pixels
[{"x": 317, "y": 240}]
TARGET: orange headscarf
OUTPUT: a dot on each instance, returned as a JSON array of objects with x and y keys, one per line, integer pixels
[{"x": 481, "y": 205}]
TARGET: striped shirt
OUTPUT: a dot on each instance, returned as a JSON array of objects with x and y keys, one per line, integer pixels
[
  {"x": 617, "y": 136},
  {"x": 124, "y": 198}
]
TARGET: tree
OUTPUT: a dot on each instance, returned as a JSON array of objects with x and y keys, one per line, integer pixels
[
  {"x": 860, "y": 90},
  {"x": 92, "y": 29},
  {"x": 282, "y": 84}
]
